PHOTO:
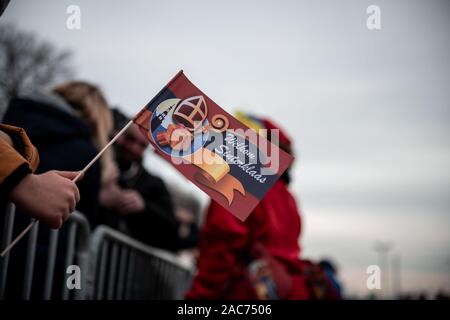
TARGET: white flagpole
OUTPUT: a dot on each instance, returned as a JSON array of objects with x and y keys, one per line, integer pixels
[{"x": 77, "y": 177}]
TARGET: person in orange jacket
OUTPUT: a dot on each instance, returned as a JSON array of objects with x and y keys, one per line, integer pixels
[
  {"x": 258, "y": 258},
  {"x": 49, "y": 197}
]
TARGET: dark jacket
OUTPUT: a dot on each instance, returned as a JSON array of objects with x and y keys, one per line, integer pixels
[
  {"x": 64, "y": 143},
  {"x": 63, "y": 140},
  {"x": 156, "y": 226}
]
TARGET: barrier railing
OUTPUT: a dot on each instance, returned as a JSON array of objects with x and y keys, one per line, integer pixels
[
  {"x": 8, "y": 226},
  {"x": 135, "y": 270},
  {"x": 75, "y": 249},
  {"x": 112, "y": 265}
]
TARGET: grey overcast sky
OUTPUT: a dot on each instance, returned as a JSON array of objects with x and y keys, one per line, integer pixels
[{"x": 368, "y": 110}]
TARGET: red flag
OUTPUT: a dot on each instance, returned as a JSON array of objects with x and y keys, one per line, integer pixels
[{"x": 233, "y": 164}]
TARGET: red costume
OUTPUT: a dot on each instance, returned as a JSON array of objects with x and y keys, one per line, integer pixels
[{"x": 226, "y": 244}]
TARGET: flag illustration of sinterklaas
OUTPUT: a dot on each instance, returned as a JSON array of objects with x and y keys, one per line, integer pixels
[{"x": 231, "y": 163}]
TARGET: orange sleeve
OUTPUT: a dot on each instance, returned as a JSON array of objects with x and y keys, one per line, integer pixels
[
  {"x": 18, "y": 158},
  {"x": 11, "y": 159}
]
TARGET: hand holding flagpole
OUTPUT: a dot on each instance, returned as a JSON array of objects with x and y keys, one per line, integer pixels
[{"x": 77, "y": 177}]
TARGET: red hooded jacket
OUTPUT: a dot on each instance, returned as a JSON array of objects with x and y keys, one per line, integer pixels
[{"x": 226, "y": 243}]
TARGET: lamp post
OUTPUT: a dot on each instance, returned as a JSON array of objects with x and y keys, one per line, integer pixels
[{"x": 382, "y": 249}]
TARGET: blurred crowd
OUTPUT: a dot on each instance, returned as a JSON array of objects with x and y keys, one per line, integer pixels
[{"x": 47, "y": 137}]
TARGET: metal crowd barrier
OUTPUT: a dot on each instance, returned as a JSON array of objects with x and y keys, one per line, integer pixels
[
  {"x": 124, "y": 268},
  {"x": 112, "y": 265},
  {"x": 75, "y": 251}
]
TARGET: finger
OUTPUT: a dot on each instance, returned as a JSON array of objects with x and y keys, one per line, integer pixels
[
  {"x": 121, "y": 202},
  {"x": 66, "y": 215},
  {"x": 126, "y": 200},
  {"x": 67, "y": 174},
  {"x": 79, "y": 176},
  {"x": 130, "y": 208},
  {"x": 126, "y": 210},
  {"x": 71, "y": 203},
  {"x": 55, "y": 223},
  {"x": 130, "y": 203},
  {"x": 59, "y": 224},
  {"x": 71, "y": 207}
]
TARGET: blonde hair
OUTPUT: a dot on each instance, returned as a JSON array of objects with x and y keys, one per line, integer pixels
[{"x": 88, "y": 101}]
